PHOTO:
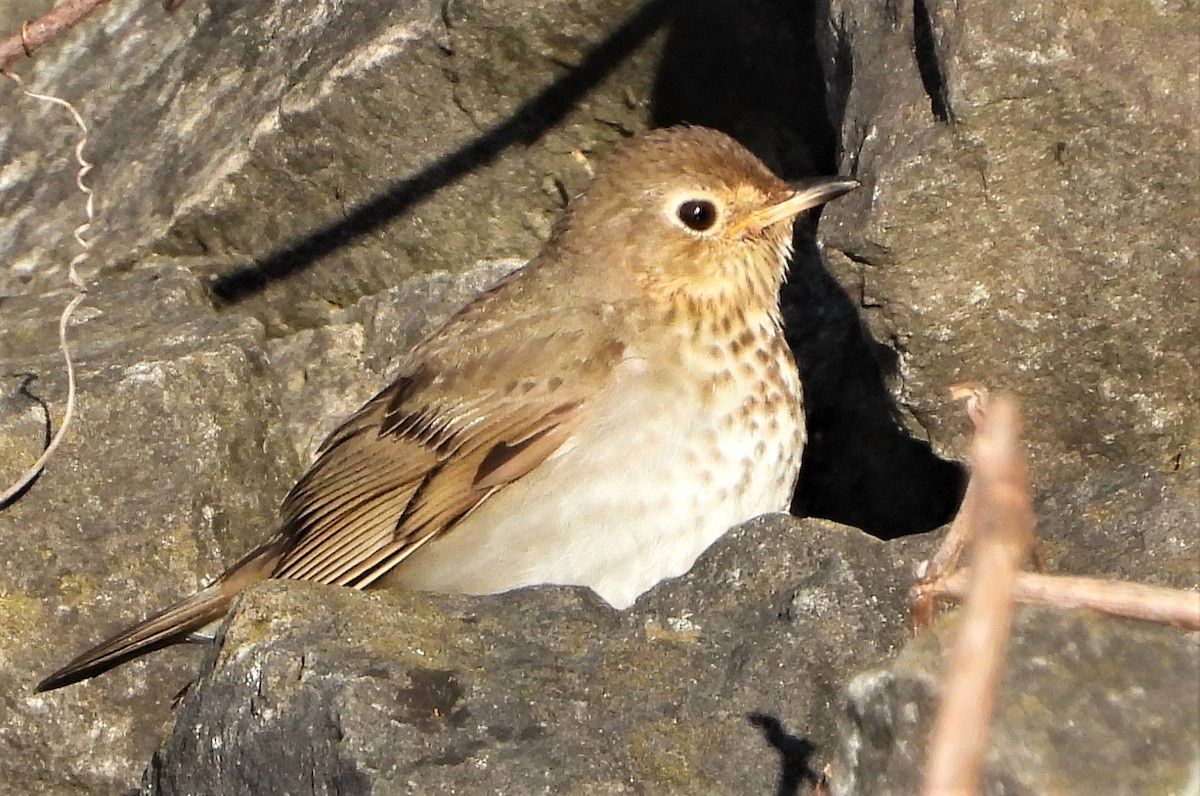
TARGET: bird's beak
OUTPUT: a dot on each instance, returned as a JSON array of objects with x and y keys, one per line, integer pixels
[{"x": 806, "y": 194}]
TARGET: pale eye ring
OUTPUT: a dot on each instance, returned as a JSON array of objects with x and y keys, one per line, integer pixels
[{"x": 698, "y": 215}]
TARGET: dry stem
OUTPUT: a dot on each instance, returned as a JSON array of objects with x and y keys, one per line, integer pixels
[
  {"x": 76, "y": 282},
  {"x": 36, "y": 32},
  {"x": 1001, "y": 531},
  {"x": 1120, "y": 598},
  {"x": 996, "y": 519}
]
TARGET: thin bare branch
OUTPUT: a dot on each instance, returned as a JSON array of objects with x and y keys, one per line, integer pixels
[
  {"x": 922, "y": 601},
  {"x": 1001, "y": 538},
  {"x": 1178, "y": 607},
  {"x": 36, "y": 32}
]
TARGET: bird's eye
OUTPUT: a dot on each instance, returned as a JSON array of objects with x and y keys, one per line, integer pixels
[{"x": 698, "y": 214}]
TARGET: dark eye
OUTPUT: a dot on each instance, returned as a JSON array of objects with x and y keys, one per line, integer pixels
[{"x": 698, "y": 214}]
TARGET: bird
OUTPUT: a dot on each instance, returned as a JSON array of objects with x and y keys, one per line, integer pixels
[{"x": 597, "y": 418}]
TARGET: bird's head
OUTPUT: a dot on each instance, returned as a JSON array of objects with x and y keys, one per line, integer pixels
[{"x": 688, "y": 212}]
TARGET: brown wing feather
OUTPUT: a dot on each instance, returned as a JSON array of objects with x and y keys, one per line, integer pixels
[{"x": 414, "y": 460}]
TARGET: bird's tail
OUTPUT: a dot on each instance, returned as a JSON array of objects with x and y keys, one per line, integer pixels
[{"x": 169, "y": 626}]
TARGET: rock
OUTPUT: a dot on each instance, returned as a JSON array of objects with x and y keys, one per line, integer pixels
[
  {"x": 342, "y": 147},
  {"x": 1026, "y": 218},
  {"x": 172, "y": 467},
  {"x": 1087, "y": 704},
  {"x": 722, "y": 681},
  {"x": 1025, "y": 222},
  {"x": 1126, "y": 523}
]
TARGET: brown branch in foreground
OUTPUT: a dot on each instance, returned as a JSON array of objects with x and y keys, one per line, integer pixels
[
  {"x": 36, "y": 32},
  {"x": 1177, "y": 607},
  {"x": 930, "y": 574},
  {"x": 1001, "y": 536},
  {"x": 945, "y": 560},
  {"x": 995, "y": 518}
]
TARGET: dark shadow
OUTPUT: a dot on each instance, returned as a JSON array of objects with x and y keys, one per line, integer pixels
[
  {"x": 795, "y": 755},
  {"x": 860, "y": 466},
  {"x": 47, "y": 434},
  {"x": 524, "y": 126},
  {"x": 930, "y": 69},
  {"x": 751, "y": 68}
]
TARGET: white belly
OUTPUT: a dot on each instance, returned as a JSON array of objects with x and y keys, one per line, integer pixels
[{"x": 646, "y": 484}]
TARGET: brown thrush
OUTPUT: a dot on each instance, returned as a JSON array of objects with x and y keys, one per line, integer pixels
[{"x": 598, "y": 418}]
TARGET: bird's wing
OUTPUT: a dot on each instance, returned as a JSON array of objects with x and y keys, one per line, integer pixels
[{"x": 431, "y": 447}]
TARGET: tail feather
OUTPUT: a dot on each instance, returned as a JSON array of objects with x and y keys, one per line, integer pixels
[
  {"x": 165, "y": 628},
  {"x": 172, "y": 625}
]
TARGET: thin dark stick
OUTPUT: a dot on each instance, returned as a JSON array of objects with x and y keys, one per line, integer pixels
[{"x": 36, "y": 32}]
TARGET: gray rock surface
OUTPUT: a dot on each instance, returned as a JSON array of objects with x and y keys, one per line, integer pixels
[
  {"x": 1027, "y": 218},
  {"x": 722, "y": 681},
  {"x": 1086, "y": 704},
  {"x": 174, "y": 463},
  {"x": 294, "y": 140},
  {"x": 1026, "y": 221}
]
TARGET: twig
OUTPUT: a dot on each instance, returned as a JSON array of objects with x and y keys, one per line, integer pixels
[
  {"x": 76, "y": 282},
  {"x": 36, "y": 32},
  {"x": 821, "y": 786},
  {"x": 946, "y": 558},
  {"x": 1001, "y": 534},
  {"x": 1177, "y": 607},
  {"x": 931, "y": 573},
  {"x": 996, "y": 519}
]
